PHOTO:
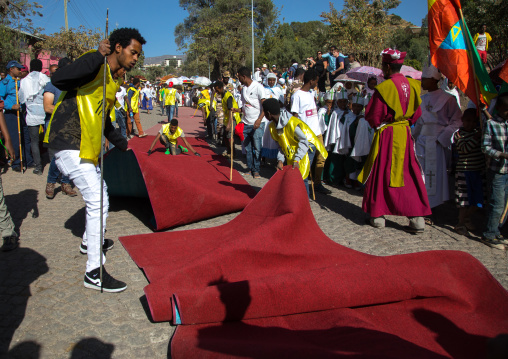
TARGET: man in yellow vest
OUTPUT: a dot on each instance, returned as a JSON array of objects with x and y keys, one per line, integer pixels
[
  {"x": 168, "y": 137},
  {"x": 295, "y": 138},
  {"x": 133, "y": 106},
  {"x": 74, "y": 133},
  {"x": 228, "y": 105},
  {"x": 170, "y": 101}
]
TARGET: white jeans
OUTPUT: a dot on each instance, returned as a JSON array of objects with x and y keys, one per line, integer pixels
[{"x": 87, "y": 178}]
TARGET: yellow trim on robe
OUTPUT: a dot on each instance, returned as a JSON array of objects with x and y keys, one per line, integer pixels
[
  {"x": 172, "y": 137},
  {"x": 236, "y": 115},
  {"x": 289, "y": 143},
  {"x": 389, "y": 92}
]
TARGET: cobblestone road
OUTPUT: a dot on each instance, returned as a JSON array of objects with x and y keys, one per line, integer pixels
[{"x": 45, "y": 312}]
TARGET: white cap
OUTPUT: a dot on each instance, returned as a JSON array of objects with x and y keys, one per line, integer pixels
[
  {"x": 271, "y": 75},
  {"x": 290, "y": 82},
  {"x": 431, "y": 72},
  {"x": 282, "y": 81},
  {"x": 359, "y": 99},
  {"x": 341, "y": 95},
  {"x": 328, "y": 96}
]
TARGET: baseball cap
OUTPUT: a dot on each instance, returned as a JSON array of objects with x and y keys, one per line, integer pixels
[
  {"x": 274, "y": 66},
  {"x": 13, "y": 63},
  {"x": 24, "y": 68}
]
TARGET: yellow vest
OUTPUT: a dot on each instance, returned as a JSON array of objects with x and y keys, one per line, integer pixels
[
  {"x": 89, "y": 99},
  {"x": 289, "y": 143},
  {"x": 134, "y": 99},
  {"x": 206, "y": 101},
  {"x": 171, "y": 136},
  {"x": 400, "y": 127},
  {"x": 236, "y": 115},
  {"x": 170, "y": 98}
]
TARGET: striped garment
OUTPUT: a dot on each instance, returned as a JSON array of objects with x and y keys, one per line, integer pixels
[
  {"x": 495, "y": 142},
  {"x": 461, "y": 189},
  {"x": 469, "y": 150}
]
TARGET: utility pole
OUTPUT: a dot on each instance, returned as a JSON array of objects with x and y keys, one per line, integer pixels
[{"x": 66, "y": 19}]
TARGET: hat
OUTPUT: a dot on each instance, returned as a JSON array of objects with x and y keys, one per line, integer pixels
[
  {"x": 341, "y": 95},
  {"x": 271, "y": 75},
  {"x": 264, "y": 65},
  {"x": 13, "y": 63},
  {"x": 282, "y": 81},
  {"x": 328, "y": 96},
  {"x": 226, "y": 74},
  {"x": 392, "y": 56},
  {"x": 274, "y": 66},
  {"x": 431, "y": 72},
  {"x": 359, "y": 99}
]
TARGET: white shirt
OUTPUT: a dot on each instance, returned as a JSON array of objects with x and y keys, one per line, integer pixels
[
  {"x": 275, "y": 92},
  {"x": 304, "y": 104},
  {"x": 251, "y": 98},
  {"x": 481, "y": 42},
  {"x": 31, "y": 91},
  {"x": 120, "y": 96}
]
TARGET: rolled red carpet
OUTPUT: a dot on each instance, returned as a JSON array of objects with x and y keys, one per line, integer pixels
[
  {"x": 182, "y": 189},
  {"x": 270, "y": 284}
]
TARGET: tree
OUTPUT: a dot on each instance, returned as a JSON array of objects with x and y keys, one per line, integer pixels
[
  {"x": 71, "y": 43},
  {"x": 361, "y": 27},
  {"x": 219, "y": 31},
  {"x": 493, "y": 14},
  {"x": 15, "y": 18}
]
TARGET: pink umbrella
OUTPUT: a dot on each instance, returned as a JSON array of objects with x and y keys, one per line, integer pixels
[{"x": 363, "y": 73}]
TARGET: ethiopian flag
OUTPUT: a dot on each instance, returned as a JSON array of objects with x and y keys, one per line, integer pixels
[{"x": 451, "y": 47}]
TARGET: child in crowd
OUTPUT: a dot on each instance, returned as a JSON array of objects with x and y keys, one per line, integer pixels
[
  {"x": 469, "y": 170},
  {"x": 495, "y": 145},
  {"x": 168, "y": 136}
]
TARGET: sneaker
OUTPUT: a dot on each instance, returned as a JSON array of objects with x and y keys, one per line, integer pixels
[
  {"x": 50, "y": 190},
  {"x": 10, "y": 243},
  {"x": 108, "y": 244},
  {"x": 143, "y": 135},
  {"x": 168, "y": 152},
  {"x": 501, "y": 239},
  {"x": 67, "y": 190},
  {"x": 493, "y": 243},
  {"x": 109, "y": 284},
  {"x": 322, "y": 189},
  {"x": 38, "y": 172}
]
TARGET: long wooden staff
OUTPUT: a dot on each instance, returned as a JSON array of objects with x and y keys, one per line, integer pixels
[
  {"x": 19, "y": 130},
  {"x": 233, "y": 123},
  {"x": 102, "y": 154}
]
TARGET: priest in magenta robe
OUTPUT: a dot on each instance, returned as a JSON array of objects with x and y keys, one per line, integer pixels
[{"x": 393, "y": 178}]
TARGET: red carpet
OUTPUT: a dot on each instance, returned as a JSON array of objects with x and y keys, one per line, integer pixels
[
  {"x": 182, "y": 189},
  {"x": 270, "y": 284}
]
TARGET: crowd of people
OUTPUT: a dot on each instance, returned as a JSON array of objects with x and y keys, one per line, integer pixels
[{"x": 386, "y": 139}]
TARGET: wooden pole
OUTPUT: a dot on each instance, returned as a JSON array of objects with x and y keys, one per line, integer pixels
[
  {"x": 19, "y": 129},
  {"x": 101, "y": 234},
  {"x": 233, "y": 123},
  {"x": 470, "y": 55}
]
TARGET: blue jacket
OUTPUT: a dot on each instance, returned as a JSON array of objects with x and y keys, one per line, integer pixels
[{"x": 8, "y": 92}]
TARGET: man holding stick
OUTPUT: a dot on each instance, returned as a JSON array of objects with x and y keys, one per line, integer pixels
[{"x": 75, "y": 134}]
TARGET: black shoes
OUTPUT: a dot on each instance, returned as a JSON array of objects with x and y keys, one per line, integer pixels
[
  {"x": 109, "y": 284},
  {"x": 10, "y": 243},
  {"x": 108, "y": 244},
  {"x": 322, "y": 189}
]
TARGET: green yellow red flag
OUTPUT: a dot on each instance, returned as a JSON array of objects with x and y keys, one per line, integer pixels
[{"x": 453, "y": 52}]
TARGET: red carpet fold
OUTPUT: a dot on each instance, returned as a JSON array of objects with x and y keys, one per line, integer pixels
[
  {"x": 270, "y": 284},
  {"x": 182, "y": 189}
]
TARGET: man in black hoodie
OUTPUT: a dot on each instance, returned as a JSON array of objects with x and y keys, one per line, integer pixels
[{"x": 74, "y": 133}]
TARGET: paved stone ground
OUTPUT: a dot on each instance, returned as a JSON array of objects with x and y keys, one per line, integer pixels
[{"x": 45, "y": 312}]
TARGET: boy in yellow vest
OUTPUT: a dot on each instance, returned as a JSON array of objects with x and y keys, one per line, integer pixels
[
  {"x": 170, "y": 101},
  {"x": 298, "y": 144},
  {"x": 133, "y": 106},
  {"x": 228, "y": 105},
  {"x": 168, "y": 136}
]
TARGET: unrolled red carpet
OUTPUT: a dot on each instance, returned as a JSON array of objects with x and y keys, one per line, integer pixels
[
  {"x": 270, "y": 284},
  {"x": 182, "y": 189}
]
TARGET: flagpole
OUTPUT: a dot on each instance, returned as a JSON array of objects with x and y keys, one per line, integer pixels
[{"x": 470, "y": 56}]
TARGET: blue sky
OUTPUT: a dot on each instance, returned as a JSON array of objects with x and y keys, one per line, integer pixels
[{"x": 156, "y": 20}]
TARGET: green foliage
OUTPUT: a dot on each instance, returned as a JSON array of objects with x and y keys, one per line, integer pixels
[
  {"x": 415, "y": 44},
  {"x": 71, "y": 43},
  {"x": 417, "y": 65},
  {"x": 219, "y": 32},
  {"x": 15, "y": 14},
  {"x": 493, "y": 14},
  {"x": 361, "y": 27}
]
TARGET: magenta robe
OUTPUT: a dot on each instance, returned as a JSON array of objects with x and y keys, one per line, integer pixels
[{"x": 379, "y": 198}]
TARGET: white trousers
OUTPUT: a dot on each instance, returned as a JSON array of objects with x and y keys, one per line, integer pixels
[{"x": 87, "y": 178}]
